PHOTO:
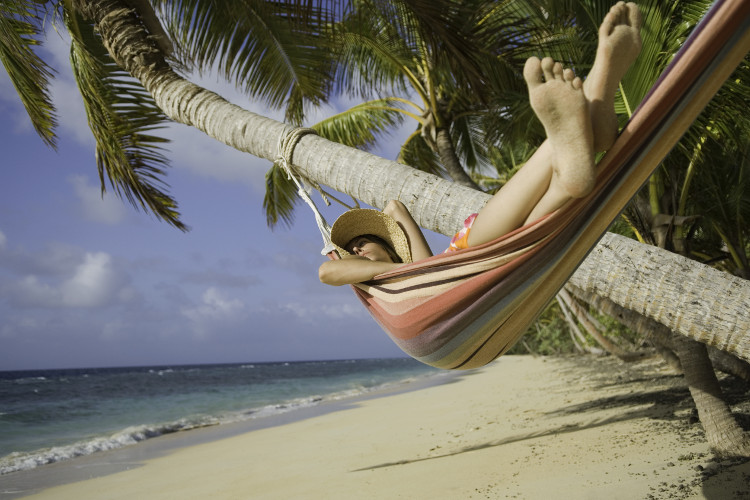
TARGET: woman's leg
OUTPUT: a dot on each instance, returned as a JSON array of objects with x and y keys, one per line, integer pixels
[
  {"x": 535, "y": 190},
  {"x": 562, "y": 167}
]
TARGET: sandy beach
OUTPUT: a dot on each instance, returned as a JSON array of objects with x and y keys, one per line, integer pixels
[{"x": 523, "y": 427}]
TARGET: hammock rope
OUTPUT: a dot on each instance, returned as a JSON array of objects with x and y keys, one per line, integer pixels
[{"x": 285, "y": 152}]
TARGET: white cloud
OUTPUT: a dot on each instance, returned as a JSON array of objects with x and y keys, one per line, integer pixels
[
  {"x": 216, "y": 303},
  {"x": 214, "y": 313},
  {"x": 314, "y": 313},
  {"x": 107, "y": 208},
  {"x": 94, "y": 283},
  {"x": 3, "y": 241}
]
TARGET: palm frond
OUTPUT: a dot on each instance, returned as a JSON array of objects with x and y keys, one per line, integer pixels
[
  {"x": 468, "y": 137},
  {"x": 274, "y": 51},
  {"x": 20, "y": 32},
  {"x": 280, "y": 198},
  {"x": 361, "y": 125},
  {"x": 417, "y": 154},
  {"x": 374, "y": 52},
  {"x": 122, "y": 117}
]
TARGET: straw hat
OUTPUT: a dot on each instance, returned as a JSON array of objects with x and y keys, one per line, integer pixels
[{"x": 360, "y": 221}]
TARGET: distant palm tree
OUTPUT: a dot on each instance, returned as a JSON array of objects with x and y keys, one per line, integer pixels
[{"x": 386, "y": 48}]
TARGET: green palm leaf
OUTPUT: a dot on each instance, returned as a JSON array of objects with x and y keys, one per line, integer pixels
[
  {"x": 275, "y": 51},
  {"x": 417, "y": 154},
  {"x": 20, "y": 31},
  {"x": 360, "y": 126},
  {"x": 280, "y": 198},
  {"x": 468, "y": 136},
  {"x": 122, "y": 117}
]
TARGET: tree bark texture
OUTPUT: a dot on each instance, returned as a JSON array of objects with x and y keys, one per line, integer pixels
[
  {"x": 661, "y": 336},
  {"x": 436, "y": 203},
  {"x": 689, "y": 298}
]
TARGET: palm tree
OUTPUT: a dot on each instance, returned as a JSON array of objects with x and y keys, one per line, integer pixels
[
  {"x": 391, "y": 47},
  {"x": 436, "y": 203}
]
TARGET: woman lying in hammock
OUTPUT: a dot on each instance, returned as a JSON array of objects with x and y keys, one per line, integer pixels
[{"x": 579, "y": 120}]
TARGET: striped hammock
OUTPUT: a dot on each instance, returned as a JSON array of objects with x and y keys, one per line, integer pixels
[{"x": 464, "y": 309}]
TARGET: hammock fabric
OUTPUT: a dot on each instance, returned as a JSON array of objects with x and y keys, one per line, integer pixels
[{"x": 464, "y": 309}]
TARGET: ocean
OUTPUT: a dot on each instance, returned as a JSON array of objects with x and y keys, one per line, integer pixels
[{"x": 48, "y": 416}]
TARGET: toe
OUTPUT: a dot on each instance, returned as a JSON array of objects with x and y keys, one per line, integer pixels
[
  {"x": 548, "y": 65},
  {"x": 568, "y": 75},
  {"x": 557, "y": 70},
  {"x": 618, "y": 11},
  {"x": 634, "y": 15},
  {"x": 532, "y": 71},
  {"x": 608, "y": 23}
]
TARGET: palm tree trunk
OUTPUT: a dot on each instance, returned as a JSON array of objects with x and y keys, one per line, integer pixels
[
  {"x": 725, "y": 437},
  {"x": 579, "y": 339},
  {"x": 687, "y": 297},
  {"x": 647, "y": 327},
  {"x": 690, "y": 298},
  {"x": 436, "y": 203},
  {"x": 594, "y": 331},
  {"x": 725, "y": 362},
  {"x": 450, "y": 161},
  {"x": 660, "y": 335}
]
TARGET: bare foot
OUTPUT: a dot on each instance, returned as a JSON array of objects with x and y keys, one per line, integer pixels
[
  {"x": 619, "y": 46},
  {"x": 558, "y": 100}
]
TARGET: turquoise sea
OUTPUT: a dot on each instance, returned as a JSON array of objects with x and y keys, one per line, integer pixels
[{"x": 49, "y": 416}]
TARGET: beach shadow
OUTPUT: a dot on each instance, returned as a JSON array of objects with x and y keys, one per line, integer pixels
[
  {"x": 659, "y": 409},
  {"x": 727, "y": 481},
  {"x": 666, "y": 404}
]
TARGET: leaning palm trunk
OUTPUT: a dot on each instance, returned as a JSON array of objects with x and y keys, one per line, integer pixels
[
  {"x": 687, "y": 297},
  {"x": 721, "y": 318},
  {"x": 438, "y": 204}
]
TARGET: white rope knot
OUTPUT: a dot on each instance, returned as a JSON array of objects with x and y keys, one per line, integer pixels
[{"x": 285, "y": 151}]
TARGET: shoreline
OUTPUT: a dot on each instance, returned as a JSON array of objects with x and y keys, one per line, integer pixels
[
  {"x": 22, "y": 483},
  {"x": 523, "y": 427}
]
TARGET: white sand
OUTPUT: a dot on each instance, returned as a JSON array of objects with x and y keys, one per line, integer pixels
[{"x": 523, "y": 427}]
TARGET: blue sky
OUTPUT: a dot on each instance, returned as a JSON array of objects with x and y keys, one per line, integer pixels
[{"x": 89, "y": 281}]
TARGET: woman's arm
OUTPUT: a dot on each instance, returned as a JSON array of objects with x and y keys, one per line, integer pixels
[
  {"x": 417, "y": 242},
  {"x": 352, "y": 269}
]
